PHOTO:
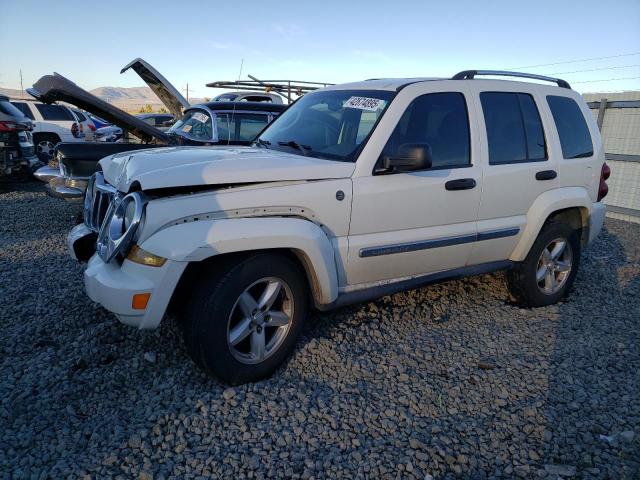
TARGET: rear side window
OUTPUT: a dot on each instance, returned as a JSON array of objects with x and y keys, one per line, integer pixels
[
  {"x": 514, "y": 129},
  {"x": 240, "y": 126},
  {"x": 257, "y": 99},
  {"x": 24, "y": 108},
  {"x": 575, "y": 138},
  {"x": 54, "y": 112},
  {"x": 440, "y": 120},
  {"x": 80, "y": 116}
]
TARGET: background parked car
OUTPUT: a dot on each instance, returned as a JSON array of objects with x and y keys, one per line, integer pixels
[
  {"x": 17, "y": 154},
  {"x": 248, "y": 97},
  {"x": 86, "y": 124},
  {"x": 112, "y": 133},
  {"x": 98, "y": 122},
  {"x": 52, "y": 124}
]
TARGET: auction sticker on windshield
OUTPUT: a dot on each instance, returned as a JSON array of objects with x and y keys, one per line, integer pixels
[
  {"x": 364, "y": 103},
  {"x": 201, "y": 117}
]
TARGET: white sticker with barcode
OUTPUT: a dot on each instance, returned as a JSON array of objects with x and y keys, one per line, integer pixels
[
  {"x": 364, "y": 103},
  {"x": 201, "y": 117}
]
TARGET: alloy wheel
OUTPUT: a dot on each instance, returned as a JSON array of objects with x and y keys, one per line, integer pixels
[
  {"x": 46, "y": 148},
  {"x": 554, "y": 266},
  {"x": 260, "y": 320}
]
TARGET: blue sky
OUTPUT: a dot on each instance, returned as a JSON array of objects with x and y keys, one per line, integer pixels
[{"x": 333, "y": 41}]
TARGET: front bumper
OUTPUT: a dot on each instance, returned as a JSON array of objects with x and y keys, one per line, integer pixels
[
  {"x": 70, "y": 189},
  {"x": 596, "y": 220},
  {"x": 113, "y": 285},
  {"x": 47, "y": 173}
]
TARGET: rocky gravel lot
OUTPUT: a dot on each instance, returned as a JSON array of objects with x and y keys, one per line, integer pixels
[{"x": 444, "y": 382}]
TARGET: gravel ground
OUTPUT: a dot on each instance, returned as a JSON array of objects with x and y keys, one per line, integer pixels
[{"x": 444, "y": 382}]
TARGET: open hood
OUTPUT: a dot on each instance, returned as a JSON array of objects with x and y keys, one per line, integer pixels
[
  {"x": 192, "y": 166},
  {"x": 53, "y": 88},
  {"x": 167, "y": 93}
]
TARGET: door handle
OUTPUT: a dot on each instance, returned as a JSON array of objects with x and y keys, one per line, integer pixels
[
  {"x": 460, "y": 184},
  {"x": 546, "y": 175}
]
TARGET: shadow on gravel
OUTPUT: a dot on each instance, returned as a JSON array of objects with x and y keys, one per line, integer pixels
[{"x": 593, "y": 401}]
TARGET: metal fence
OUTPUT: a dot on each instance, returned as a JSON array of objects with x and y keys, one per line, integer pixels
[{"x": 618, "y": 117}]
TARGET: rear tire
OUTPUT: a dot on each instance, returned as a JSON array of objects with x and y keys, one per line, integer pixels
[
  {"x": 245, "y": 316},
  {"x": 548, "y": 272}
]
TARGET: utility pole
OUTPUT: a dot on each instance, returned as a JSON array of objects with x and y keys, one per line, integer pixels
[
  {"x": 186, "y": 90},
  {"x": 21, "y": 86}
]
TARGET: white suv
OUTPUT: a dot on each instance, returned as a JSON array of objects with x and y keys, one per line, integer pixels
[
  {"x": 51, "y": 124},
  {"x": 355, "y": 192}
]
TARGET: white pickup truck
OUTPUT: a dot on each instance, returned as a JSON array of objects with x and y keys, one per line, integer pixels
[{"x": 355, "y": 192}]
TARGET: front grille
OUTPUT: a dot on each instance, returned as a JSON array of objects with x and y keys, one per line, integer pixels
[{"x": 96, "y": 203}]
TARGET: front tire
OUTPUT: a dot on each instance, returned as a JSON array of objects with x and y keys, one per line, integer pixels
[
  {"x": 548, "y": 272},
  {"x": 245, "y": 316}
]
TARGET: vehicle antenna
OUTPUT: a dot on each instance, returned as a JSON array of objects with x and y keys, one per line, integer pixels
[
  {"x": 21, "y": 86},
  {"x": 234, "y": 103}
]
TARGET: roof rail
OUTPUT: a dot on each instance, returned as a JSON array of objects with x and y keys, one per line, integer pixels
[{"x": 470, "y": 74}]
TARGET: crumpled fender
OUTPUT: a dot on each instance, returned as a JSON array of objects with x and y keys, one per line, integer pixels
[
  {"x": 547, "y": 203},
  {"x": 198, "y": 240}
]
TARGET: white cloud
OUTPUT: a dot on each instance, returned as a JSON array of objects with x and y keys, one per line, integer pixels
[{"x": 288, "y": 29}]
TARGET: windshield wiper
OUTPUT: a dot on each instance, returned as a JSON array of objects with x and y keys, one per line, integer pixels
[
  {"x": 263, "y": 143},
  {"x": 293, "y": 144}
]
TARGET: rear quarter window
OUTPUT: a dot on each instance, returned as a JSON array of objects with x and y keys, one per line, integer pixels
[
  {"x": 55, "y": 112},
  {"x": 80, "y": 116},
  {"x": 9, "y": 109},
  {"x": 24, "y": 108},
  {"x": 572, "y": 128}
]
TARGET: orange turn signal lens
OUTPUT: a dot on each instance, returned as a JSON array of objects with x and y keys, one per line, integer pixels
[
  {"x": 138, "y": 255},
  {"x": 140, "y": 301}
]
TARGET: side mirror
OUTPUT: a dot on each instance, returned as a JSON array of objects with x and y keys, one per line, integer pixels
[{"x": 409, "y": 158}]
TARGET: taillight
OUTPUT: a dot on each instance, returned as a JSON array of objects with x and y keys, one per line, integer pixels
[
  {"x": 75, "y": 131},
  {"x": 92, "y": 127},
  {"x": 8, "y": 126},
  {"x": 603, "y": 189}
]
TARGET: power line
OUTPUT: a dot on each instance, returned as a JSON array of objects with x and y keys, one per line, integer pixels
[
  {"x": 592, "y": 69},
  {"x": 606, "y": 80},
  {"x": 577, "y": 61}
]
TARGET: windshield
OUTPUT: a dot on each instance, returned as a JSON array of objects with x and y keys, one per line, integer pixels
[
  {"x": 195, "y": 124},
  {"x": 330, "y": 124}
]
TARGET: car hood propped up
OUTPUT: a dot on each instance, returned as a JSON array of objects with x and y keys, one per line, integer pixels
[
  {"x": 196, "y": 166},
  {"x": 166, "y": 92},
  {"x": 53, "y": 88}
]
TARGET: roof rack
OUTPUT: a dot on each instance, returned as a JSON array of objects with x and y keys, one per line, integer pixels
[
  {"x": 470, "y": 74},
  {"x": 284, "y": 88}
]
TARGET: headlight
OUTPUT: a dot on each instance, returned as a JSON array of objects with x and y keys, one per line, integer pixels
[
  {"x": 129, "y": 214},
  {"x": 122, "y": 222}
]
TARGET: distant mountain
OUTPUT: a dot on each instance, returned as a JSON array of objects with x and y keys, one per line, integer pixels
[
  {"x": 13, "y": 93},
  {"x": 130, "y": 99}
]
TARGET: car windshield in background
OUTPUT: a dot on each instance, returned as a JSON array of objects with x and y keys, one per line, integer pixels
[
  {"x": 195, "y": 124},
  {"x": 329, "y": 124}
]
